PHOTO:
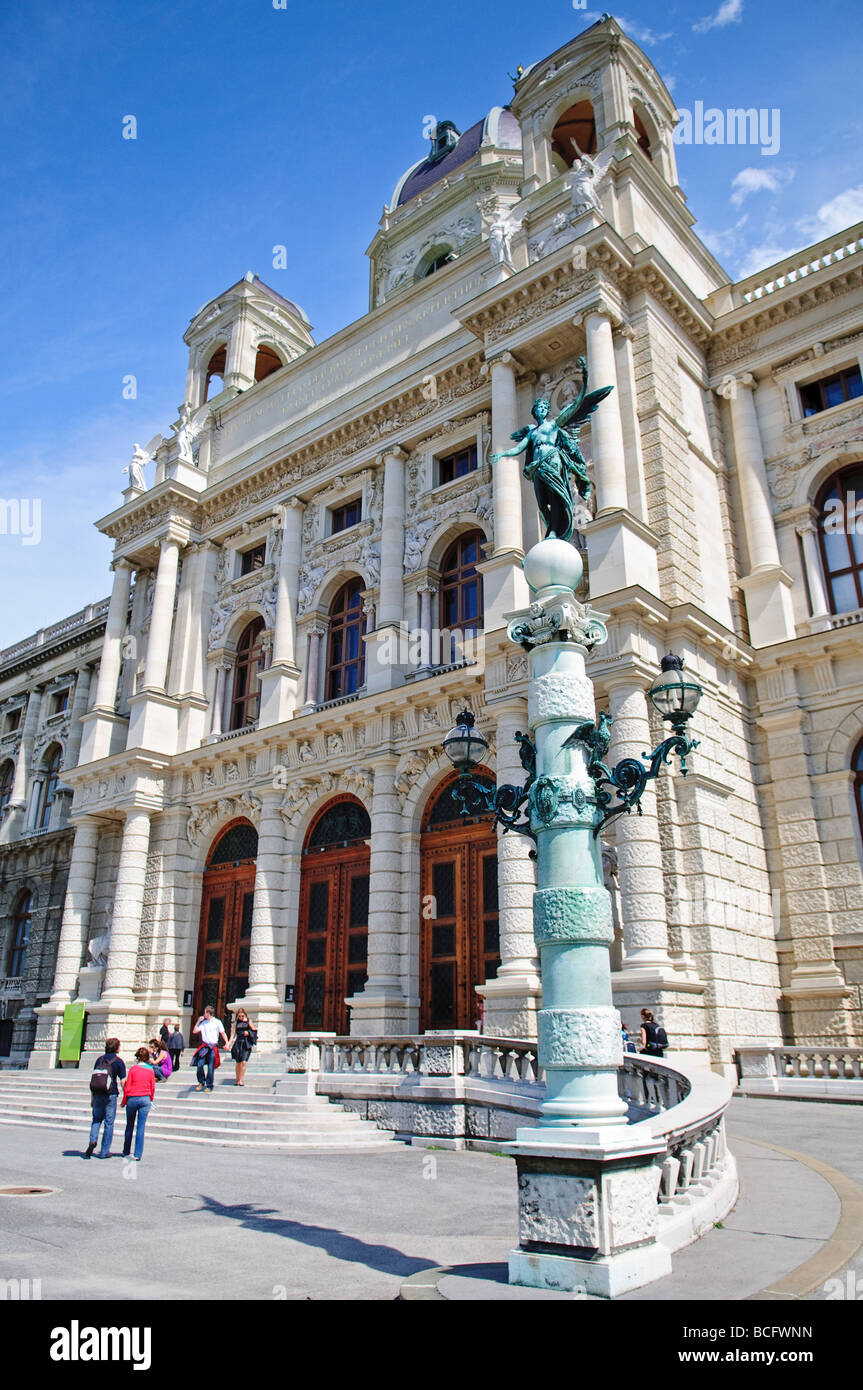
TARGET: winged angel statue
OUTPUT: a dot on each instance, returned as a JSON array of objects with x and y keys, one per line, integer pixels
[
  {"x": 553, "y": 453},
  {"x": 190, "y": 426},
  {"x": 587, "y": 175}
]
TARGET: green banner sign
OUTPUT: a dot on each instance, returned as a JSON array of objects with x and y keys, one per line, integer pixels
[{"x": 73, "y": 1032}]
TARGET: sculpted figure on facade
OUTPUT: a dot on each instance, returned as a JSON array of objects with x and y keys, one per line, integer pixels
[
  {"x": 553, "y": 456},
  {"x": 140, "y": 458},
  {"x": 587, "y": 176}
]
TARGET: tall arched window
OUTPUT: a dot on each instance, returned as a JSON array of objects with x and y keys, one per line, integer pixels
[
  {"x": 857, "y": 766},
  {"x": 7, "y": 777},
  {"x": 247, "y": 675},
  {"x": 461, "y": 608},
  {"x": 51, "y": 768},
  {"x": 841, "y": 535},
  {"x": 214, "y": 380},
  {"x": 346, "y": 656},
  {"x": 21, "y": 920}
]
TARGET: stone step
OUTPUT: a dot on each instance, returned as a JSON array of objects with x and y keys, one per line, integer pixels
[
  {"x": 325, "y": 1122},
  {"x": 307, "y": 1139},
  {"x": 167, "y": 1095}
]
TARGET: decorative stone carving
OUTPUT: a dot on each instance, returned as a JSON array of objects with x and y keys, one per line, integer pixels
[
  {"x": 412, "y": 768},
  {"x": 203, "y": 817}
]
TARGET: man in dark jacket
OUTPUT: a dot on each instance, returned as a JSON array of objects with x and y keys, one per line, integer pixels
[
  {"x": 105, "y": 1101},
  {"x": 175, "y": 1045}
]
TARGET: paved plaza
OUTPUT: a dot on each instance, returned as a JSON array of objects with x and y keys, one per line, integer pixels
[{"x": 358, "y": 1226}]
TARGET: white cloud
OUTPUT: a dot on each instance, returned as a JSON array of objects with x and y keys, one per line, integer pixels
[
  {"x": 758, "y": 181},
  {"x": 729, "y": 12},
  {"x": 639, "y": 32},
  {"x": 834, "y": 216},
  {"x": 757, "y": 257}
]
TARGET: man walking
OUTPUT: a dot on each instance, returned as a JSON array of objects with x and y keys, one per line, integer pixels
[
  {"x": 211, "y": 1033},
  {"x": 109, "y": 1069},
  {"x": 175, "y": 1045}
]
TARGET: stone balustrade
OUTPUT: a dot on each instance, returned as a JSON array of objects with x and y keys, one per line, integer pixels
[
  {"x": 831, "y": 1072},
  {"x": 12, "y": 987},
  {"x": 789, "y": 271},
  {"x": 469, "y": 1090}
]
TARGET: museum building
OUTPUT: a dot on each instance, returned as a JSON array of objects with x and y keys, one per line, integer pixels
[{"x": 317, "y": 583}]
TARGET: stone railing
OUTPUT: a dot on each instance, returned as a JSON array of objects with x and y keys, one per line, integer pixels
[
  {"x": 847, "y": 619},
  {"x": 831, "y": 1072},
  {"x": 46, "y": 635},
  {"x": 12, "y": 986},
  {"x": 468, "y": 1090},
  {"x": 793, "y": 269}
]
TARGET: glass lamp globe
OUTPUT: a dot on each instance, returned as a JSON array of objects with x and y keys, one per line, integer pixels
[
  {"x": 464, "y": 745},
  {"x": 674, "y": 697}
]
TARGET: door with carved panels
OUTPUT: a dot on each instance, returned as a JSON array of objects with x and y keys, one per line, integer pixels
[
  {"x": 459, "y": 930},
  {"x": 225, "y": 933},
  {"x": 332, "y": 939}
]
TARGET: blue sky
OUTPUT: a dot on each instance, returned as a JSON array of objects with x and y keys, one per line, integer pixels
[{"x": 259, "y": 126}]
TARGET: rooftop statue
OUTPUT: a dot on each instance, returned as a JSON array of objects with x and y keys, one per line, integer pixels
[
  {"x": 140, "y": 457},
  {"x": 587, "y": 175},
  {"x": 553, "y": 453}
]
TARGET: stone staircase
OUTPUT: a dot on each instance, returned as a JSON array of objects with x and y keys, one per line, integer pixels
[{"x": 273, "y": 1112}]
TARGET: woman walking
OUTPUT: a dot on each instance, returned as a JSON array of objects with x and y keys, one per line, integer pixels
[
  {"x": 242, "y": 1040},
  {"x": 138, "y": 1093}
]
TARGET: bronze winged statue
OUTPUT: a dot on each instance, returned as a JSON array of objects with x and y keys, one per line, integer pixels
[{"x": 553, "y": 454}]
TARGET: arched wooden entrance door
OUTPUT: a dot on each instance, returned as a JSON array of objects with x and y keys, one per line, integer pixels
[
  {"x": 333, "y": 935},
  {"x": 459, "y": 933},
  {"x": 225, "y": 934}
]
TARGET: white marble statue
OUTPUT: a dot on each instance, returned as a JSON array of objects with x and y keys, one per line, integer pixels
[
  {"x": 587, "y": 175},
  {"x": 140, "y": 458},
  {"x": 502, "y": 226},
  {"x": 188, "y": 429}
]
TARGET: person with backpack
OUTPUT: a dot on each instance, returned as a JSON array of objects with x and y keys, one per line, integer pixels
[
  {"x": 138, "y": 1092},
  {"x": 109, "y": 1069},
  {"x": 654, "y": 1039},
  {"x": 175, "y": 1046}
]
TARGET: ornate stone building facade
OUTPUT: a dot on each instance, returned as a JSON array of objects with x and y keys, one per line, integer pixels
[
  {"x": 45, "y": 687},
  {"x": 265, "y": 809}
]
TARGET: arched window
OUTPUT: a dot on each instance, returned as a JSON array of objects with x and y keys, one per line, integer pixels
[
  {"x": 346, "y": 656},
  {"x": 7, "y": 777},
  {"x": 857, "y": 767},
  {"x": 51, "y": 766},
  {"x": 577, "y": 123},
  {"x": 439, "y": 262},
  {"x": 841, "y": 536},
  {"x": 641, "y": 133},
  {"x": 461, "y": 608},
  {"x": 214, "y": 382},
  {"x": 266, "y": 362},
  {"x": 20, "y": 934},
  {"x": 247, "y": 674}
]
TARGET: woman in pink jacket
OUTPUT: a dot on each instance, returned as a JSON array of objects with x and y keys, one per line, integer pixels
[{"x": 138, "y": 1092}]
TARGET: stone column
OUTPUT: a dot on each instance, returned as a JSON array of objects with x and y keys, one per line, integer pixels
[
  {"x": 426, "y": 657},
  {"x": 239, "y": 363},
  {"x": 218, "y": 713},
  {"x": 280, "y": 682},
  {"x": 162, "y": 616},
  {"x": 606, "y": 433},
  {"x": 382, "y": 1006},
  {"x": 79, "y": 709},
  {"x": 262, "y": 997},
  {"x": 506, "y": 475},
  {"x": 391, "y": 597},
  {"x": 73, "y": 940},
  {"x": 128, "y": 904},
  {"x": 512, "y": 999},
  {"x": 317, "y": 632},
  {"x": 814, "y": 577},
  {"x": 18, "y": 799},
  {"x": 112, "y": 647},
  {"x": 639, "y": 853},
  {"x": 33, "y": 802},
  {"x": 767, "y": 587}
]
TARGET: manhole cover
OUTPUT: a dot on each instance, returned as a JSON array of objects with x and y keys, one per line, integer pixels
[{"x": 27, "y": 1191}]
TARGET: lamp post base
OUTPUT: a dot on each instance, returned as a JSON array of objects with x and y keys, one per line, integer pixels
[{"x": 605, "y": 1276}]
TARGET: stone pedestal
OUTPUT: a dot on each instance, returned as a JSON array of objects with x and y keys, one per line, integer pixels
[
  {"x": 90, "y": 981},
  {"x": 587, "y": 1219}
]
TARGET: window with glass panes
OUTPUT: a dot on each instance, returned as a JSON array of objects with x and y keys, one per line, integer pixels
[
  {"x": 7, "y": 778},
  {"x": 857, "y": 766},
  {"x": 820, "y": 395},
  {"x": 253, "y": 559},
  {"x": 247, "y": 672},
  {"x": 346, "y": 657},
  {"x": 840, "y": 531},
  {"x": 49, "y": 787},
  {"x": 461, "y": 590},
  {"x": 20, "y": 935},
  {"x": 348, "y": 514},
  {"x": 457, "y": 465}
]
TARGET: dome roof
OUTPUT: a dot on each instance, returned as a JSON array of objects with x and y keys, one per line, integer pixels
[{"x": 499, "y": 128}]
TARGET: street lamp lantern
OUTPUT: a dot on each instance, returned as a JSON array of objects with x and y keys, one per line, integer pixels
[
  {"x": 672, "y": 695},
  {"x": 464, "y": 745}
]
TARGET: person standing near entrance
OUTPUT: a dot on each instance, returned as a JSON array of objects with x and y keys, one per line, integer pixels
[
  {"x": 654, "y": 1039},
  {"x": 211, "y": 1032},
  {"x": 176, "y": 1044},
  {"x": 109, "y": 1069},
  {"x": 138, "y": 1094},
  {"x": 243, "y": 1040}
]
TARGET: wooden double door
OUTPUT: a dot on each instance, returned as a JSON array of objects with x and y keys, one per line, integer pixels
[
  {"x": 459, "y": 931},
  {"x": 225, "y": 940},
  {"x": 333, "y": 936}
]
